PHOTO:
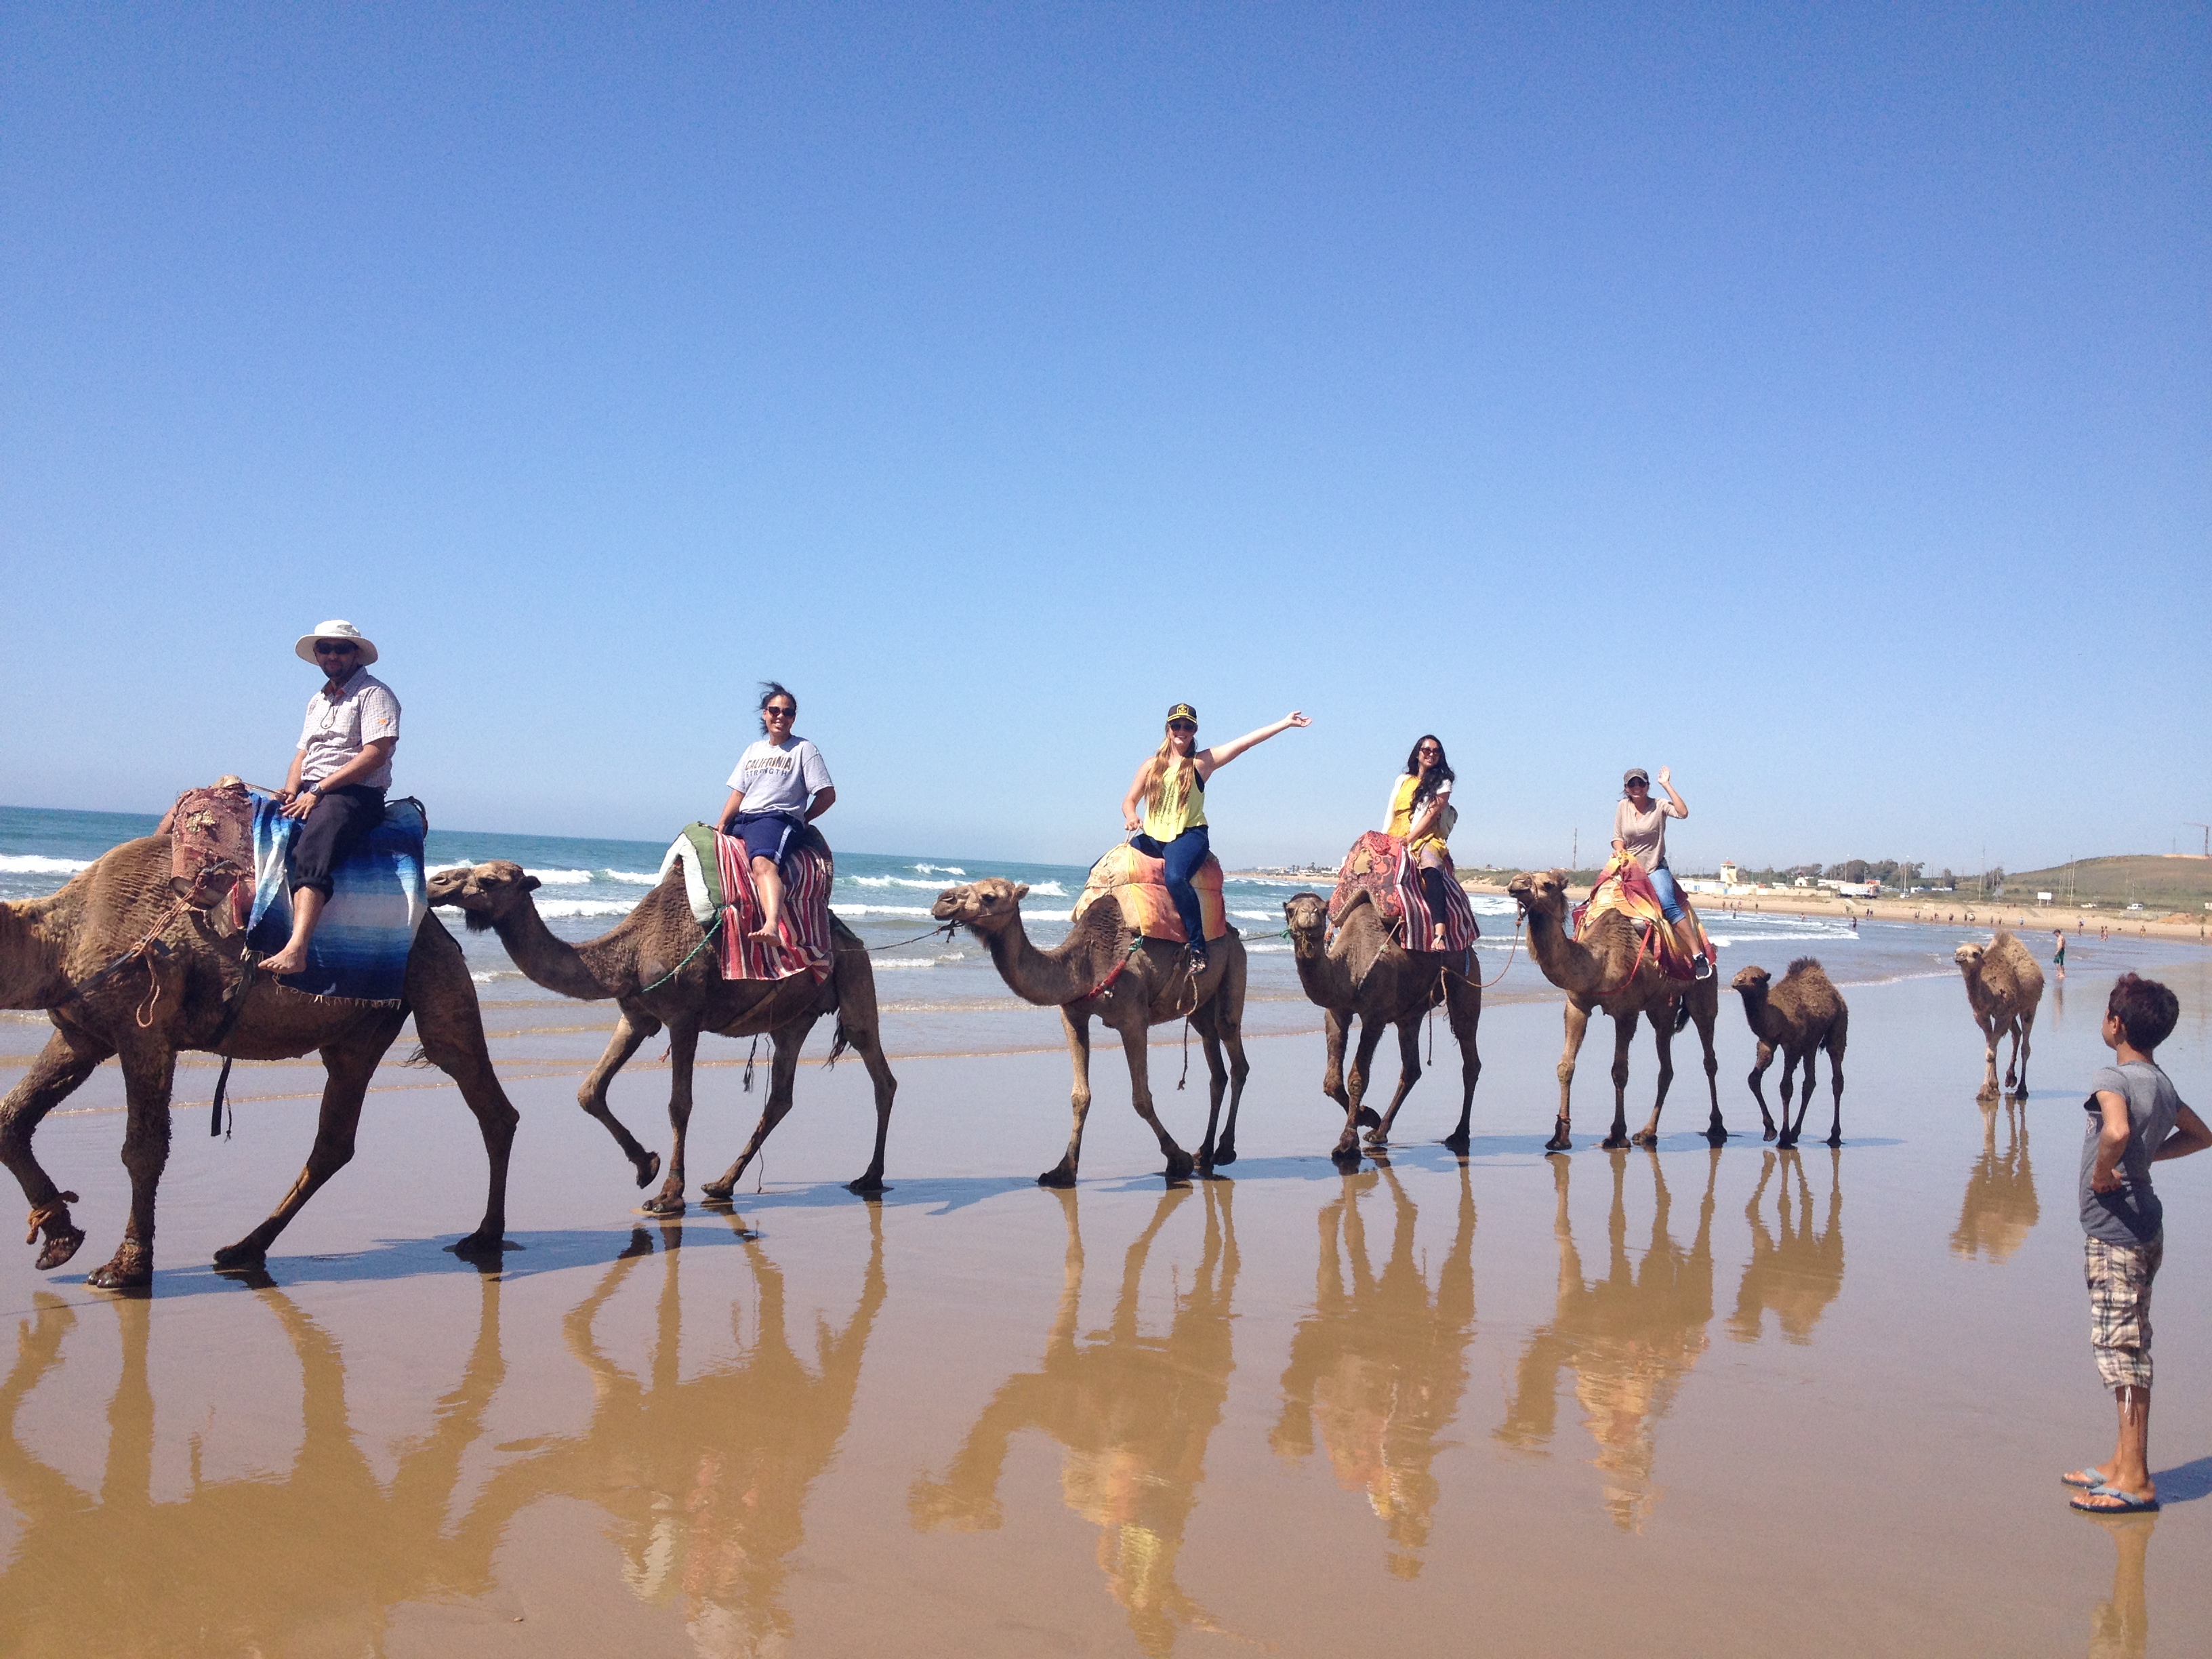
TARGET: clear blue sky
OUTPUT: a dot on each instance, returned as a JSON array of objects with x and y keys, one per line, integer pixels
[{"x": 1817, "y": 402}]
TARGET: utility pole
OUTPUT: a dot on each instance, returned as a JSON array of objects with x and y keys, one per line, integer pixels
[
  {"x": 1575, "y": 859},
  {"x": 2207, "y": 828}
]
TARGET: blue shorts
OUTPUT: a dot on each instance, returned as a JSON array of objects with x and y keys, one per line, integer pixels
[{"x": 766, "y": 835}]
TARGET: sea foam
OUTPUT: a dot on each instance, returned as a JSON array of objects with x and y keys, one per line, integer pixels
[{"x": 33, "y": 864}]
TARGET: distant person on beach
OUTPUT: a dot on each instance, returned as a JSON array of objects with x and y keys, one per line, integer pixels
[
  {"x": 781, "y": 784},
  {"x": 1421, "y": 813},
  {"x": 2135, "y": 1119},
  {"x": 2059, "y": 961},
  {"x": 338, "y": 776},
  {"x": 1640, "y": 830},
  {"x": 1164, "y": 811}
]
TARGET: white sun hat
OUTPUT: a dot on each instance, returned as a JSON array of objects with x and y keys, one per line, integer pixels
[{"x": 335, "y": 629}]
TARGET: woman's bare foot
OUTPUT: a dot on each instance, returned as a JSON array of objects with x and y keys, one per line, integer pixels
[{"x": 766, "y": 935}]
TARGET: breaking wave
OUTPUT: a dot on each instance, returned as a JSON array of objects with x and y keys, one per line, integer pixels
[
  {"x": 563, "y": 877},
  {"x": 33, "y": 864},
  {"x": 582, "y": 908}
]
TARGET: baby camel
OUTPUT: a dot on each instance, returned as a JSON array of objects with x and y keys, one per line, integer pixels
[
  {"x": 1800, "y": 1016},
  {"x": 2005, "y": 986}
]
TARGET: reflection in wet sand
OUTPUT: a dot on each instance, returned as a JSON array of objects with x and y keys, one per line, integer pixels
[
  {"x": 1795, "y": 1272},
  {"x": 706, "y": 1477},
  {"x": 1999, "y": 1209},
  {"x": 1131, "y": 1414},
  {"x": 1381, "y": 1362},
  {"x": 1630, "y": 1337},
  {"x": 118, "y": 1572},
  {"x": 2120, "y": 1628}
]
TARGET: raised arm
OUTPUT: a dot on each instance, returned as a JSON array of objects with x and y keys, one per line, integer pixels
[
  {"x": 1676, "y": 807},
  {"x": 1212, "y": 759}
]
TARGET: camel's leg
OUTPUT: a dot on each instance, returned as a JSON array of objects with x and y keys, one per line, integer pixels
[
  {"x": 1706, "y": 1012},
  {"x": 1662, "y": 1040},
  {"x": 1228, "y": 1006},
  {"x": 1758, "y": 1071},
  {"x": 1578, "y": 1027},
  {"x": 1409, "y": 1074},
  {"x": 451, "y": 1026},
  {"x": 683, "y": 1052},
  {"x": 1463, "y": 1010},
  {"x": 783, "y": 1070},
  {"x": 1077, "y": 1027},
  {"x": 1808, "y": 1054},
  {"x": 1835, "y": 1047},
  {"x": 1988, "y": 1089},
  {"x": 69, "y": 1058},
  {"x": 348, "y": 1066},
  {"x": 2020, "y": 1049},
  {"x": 632, "y": 1027},
  {"x": 1623, "y": 1033},
  {"x": 1789, "y": 1076},
  {"x": 1217, "y": 1079},
  {"x": 862, "y": 1030},
  {"x": 1346, "y": 1150},
  {"x": 149, "y": 1070},
  {"x": 1140, "y": 1096}
]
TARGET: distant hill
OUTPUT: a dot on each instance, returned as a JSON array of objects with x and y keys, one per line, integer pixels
[{"x": 2157, "y": 883}]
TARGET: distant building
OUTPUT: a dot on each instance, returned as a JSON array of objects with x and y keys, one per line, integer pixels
[{"x": 1729, "y": 877}]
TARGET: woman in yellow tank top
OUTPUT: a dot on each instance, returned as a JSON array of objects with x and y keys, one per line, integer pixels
[
  {"x": 1421, "y": 814},
  {"x": 1169, "y": 791}
]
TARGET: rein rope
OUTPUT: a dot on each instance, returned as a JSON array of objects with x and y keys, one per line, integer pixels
[
  {"x": 705, "y": 939},
  {"x": 951, "y": 930},
  {"x": 143, "y": 951}
]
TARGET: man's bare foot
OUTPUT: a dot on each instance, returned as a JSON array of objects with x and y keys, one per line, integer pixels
[{"x": 292, "y": 959}]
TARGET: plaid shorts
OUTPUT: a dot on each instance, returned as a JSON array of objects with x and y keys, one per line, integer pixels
[{"x": 2119, "y": 1309}]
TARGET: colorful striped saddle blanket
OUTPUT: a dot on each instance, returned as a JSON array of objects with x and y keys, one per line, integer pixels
[
  {"x": 378, "y": 900},
  {"x": 1377, "y": 866},
  {"x": 718, "y": 879},
  {"x": 1139, "y": 885},
  {"x": 1622, "y": 885}
]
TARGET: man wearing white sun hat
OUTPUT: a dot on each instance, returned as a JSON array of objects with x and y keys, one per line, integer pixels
[{"x": 339, "y": 773}]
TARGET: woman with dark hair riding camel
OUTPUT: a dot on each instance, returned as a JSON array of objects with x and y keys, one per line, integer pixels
[{"x": 1422, "y": 815}]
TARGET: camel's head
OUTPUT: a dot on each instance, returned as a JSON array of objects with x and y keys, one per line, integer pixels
[
  {"x": 1752, "y": 981},
  {"x": 1308, "y": 916},
  {"x": 986, "y": 905},
  {"x": 483, "y": 892},
  {"x": 1542, "y": 891},
  {"x": 1969, "y": 959}
]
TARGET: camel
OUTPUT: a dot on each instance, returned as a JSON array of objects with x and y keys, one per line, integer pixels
[
  {"x": 1130, "y": 984},
  {"x": 1800, "y": 1016},
  {"x": 1798, "y": 1274},
  {"x": 2004, "y": 984},
  {"x": 651, "y": 963},
  {"x": 178, "y": 994},
  {"x": 1365, "y": 975},
  {"x": 1380, "y": 1364},
  {"x": 2000, "y": 1208},
  {"x": 1602, "y": 973}
]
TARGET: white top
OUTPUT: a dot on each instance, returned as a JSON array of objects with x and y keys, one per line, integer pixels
[
  {"x": 338, "y": 729},
  {"x": 780, "y": 777}
]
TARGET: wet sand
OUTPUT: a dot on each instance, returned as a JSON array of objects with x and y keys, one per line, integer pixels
[{"x": 1685, "y": 1402}]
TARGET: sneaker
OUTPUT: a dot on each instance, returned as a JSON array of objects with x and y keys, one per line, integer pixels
[
  {"x": 1197, "y": 959},
  {"x": 1699, "y": 968}
]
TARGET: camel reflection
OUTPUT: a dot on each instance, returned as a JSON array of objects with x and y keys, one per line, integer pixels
[
  {"x": 2000, "y": 1208},
  {"x": 707, "y": 1476},
  {"x": 1794, "y": 1273},
  {"x": 354, "y": 1547},
  {"x": 1380, "y": 1363},
  {"x": 1133, "y": 1414},
  {"x": 1630, "y": 1337}
]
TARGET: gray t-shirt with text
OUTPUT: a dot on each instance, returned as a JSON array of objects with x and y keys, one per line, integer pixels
[
  {"x": 780, "y": 777},
  {"x": 2132, "y": 1214}
]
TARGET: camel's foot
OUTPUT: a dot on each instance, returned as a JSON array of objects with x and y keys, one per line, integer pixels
[
  {"x": 1644, "y": 1138},
  {"x": 62, "y": 1243},
  {"x": 481, "y": 1246},
  {"x": 1786, "y": 1144},
  {"x": 1059, "y": 1176},
  {"x": 130, "y": 1268},
  {"x": 719, "y": 1191},
  {"x": 648, "y": 1168},
  {"x": 1225, "y": 1153},
  {"x": 1368, "y": 1118},
  {"x": 668, "y": 1204},
  {"x": 244, "y": 1257},
  {"x": 1180, "y": 1164},
  {"x": 1717, "y": 1133},
  {"x": 1561, "y": 1140},
  {"x": 870, "y": 1185},
  {"x": 1377, "y": 1137},
  {"x": 1345, "y": 1155},
  {"x": 1616, "y": 1141},
  {"x": 1768, "y": 1134},
  {"x": 1833, "y": 1141},
  {"x": 1458, "y": 1141}
]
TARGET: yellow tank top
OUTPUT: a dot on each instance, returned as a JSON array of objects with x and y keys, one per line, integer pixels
[
  {"x": 1401, "y": 812},
  {"x": 1170, "y": 815}
]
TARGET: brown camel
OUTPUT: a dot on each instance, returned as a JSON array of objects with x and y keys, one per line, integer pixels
[
  {"x": 1604, "y": 972},
  {"x": 1131, "y": 985},
  {"x": 651, "y": 963},
  {"x": 1365, "y": 975},
  {"x": 2004, "y": 984},
  {"x": 177, "y": 995},
  {"x": 1800, "y": 1016}
]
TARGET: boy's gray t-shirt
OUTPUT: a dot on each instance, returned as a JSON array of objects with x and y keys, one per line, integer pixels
[{"x": 2132, "y": 1214}]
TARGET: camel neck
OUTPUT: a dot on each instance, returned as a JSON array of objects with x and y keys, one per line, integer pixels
[
  {"x": 1566, "y": 963},
  {"x": 1047, "y": 978},
  {"x": 587, "y": 972}
]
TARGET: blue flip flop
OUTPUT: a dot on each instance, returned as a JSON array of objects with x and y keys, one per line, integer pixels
[
  {"x": 2127, "y": 1505},
  {"x": 2085, "y": 1478}
]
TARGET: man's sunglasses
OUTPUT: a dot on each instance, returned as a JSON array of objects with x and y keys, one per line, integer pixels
[{"x": 340, "y": 648}]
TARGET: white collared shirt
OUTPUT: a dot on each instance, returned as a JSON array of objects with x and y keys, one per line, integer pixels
[{"x": 338, "y": 729}]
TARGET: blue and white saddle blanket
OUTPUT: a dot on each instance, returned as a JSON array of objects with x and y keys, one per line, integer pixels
[{"x": 379, "y": 899}]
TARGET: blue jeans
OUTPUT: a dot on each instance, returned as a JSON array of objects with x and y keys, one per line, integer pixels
[
  {"x": 1670, "y": 896},
  {"x": 1183, "y": 855}
]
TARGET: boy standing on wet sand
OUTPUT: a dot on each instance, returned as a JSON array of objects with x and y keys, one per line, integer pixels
[{"x": 2135, "y": 1119}]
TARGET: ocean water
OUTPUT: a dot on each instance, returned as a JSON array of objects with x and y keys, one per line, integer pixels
[{"x": 923, "y": 977}]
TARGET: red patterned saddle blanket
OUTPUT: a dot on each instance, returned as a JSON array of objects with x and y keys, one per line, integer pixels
[{"x": 1377, "y": 866}]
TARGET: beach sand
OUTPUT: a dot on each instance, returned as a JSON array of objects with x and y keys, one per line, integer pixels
[{"x": 1683, "y": 1402}]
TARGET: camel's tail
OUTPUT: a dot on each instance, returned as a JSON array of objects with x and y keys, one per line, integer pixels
[{"x": 839, "y": 1043}]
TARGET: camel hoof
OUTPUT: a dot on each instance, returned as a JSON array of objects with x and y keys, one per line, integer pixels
[
  {"x": 128, "y": 1270},
  {"x": 481, "y": 1247},
  {"x": 717, "y": 1192},
  {"x": 1769, "y": 1133},
  {"x": 242, "y": 1257},
  {"x": 1179, "y": 1168},
  {"x": 665, "y": 1205},
  {"x": 1463, "y": 1143},
  {"x": 1345, "y": 1157},
  {"x": 1226, "y": 1155},
  {"x": 1615, "y": 1142},
  {"x": 1644, "y": 1138},
  {"x": 1060, "y": 1176},
  {"x": 62, "y": 1243},
  {"x": 1376, "y": 1138},
  {"x": 1834, "y": 1140},
  {"x": 648, "y": 1168},
  {"x": 1367, "y": 1118},
  {"x": 868, "y": 1186}
]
